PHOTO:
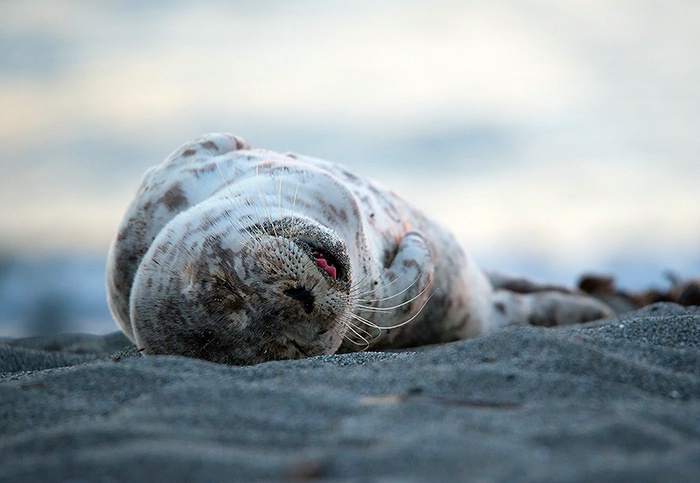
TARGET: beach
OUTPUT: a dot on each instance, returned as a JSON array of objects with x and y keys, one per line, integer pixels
[{"x": 616, "y": 400}]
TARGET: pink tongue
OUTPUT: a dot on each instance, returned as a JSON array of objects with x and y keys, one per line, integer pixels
[{"x": 323, "y": 263}]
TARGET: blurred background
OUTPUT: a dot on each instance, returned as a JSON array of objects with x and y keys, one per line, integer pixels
[{"x": 555, "y": 137}]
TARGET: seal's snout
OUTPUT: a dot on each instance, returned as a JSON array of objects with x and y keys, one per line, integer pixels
[{"x": 303, "y": 296}]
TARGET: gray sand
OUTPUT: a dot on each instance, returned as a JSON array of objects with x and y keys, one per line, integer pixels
[{"x": 613, "y": 401}]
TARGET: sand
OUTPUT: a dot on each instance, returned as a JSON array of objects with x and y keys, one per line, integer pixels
[{"x": 612, "y": 401}]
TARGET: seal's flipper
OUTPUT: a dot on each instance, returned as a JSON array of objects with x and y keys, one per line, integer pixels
[
  {"x": 545, "y": 308},
  {"x": 513, "y": 283},
  {"x": 404, "y": 287}
]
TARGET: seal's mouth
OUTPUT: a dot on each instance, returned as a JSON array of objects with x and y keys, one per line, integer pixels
[
  {"x": 326, "y": 263},
  {"x": 324, "y": 258},
  {"x": 320, "y": 244}
]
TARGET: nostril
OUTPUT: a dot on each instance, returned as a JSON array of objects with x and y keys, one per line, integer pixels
[{"x": 303, "y": 296}]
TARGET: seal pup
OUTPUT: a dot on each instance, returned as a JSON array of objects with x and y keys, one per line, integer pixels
[{"x": 239, "y": 255}]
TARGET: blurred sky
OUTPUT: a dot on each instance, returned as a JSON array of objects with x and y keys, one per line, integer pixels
[{"x": 553, "y": 137}]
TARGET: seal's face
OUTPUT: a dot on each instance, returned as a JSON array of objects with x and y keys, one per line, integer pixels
[{"x": 277, "y": 290}]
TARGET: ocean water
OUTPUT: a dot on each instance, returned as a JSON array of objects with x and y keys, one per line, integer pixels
[{"x": 553, "y": 137}]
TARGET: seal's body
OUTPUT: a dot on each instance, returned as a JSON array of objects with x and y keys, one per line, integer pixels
[{"x": 240, "y": 256}]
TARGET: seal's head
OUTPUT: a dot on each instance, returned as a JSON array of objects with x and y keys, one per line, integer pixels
[{"x": 242, "y": 295}]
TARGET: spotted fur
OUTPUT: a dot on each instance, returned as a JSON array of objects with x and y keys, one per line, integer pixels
[{"x": 241, "y": 255}]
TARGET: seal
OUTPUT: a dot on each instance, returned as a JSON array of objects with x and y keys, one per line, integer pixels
[{"x": 240, "y": 256}]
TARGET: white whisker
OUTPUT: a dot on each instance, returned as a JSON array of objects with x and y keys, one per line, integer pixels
[
  {"x": 395, "y": 295},
  {"x": 234, "y": 200},
  {"x": 263, "y": 200},
  {"x": 369, "y": 292},
  {"x": 392, "y": 308},
  {"x": 357, "y": 332},
  {"x": 368, "y": 323},
  {"x": 396, "y": 326},
  {"x": 279, "y": 203}
]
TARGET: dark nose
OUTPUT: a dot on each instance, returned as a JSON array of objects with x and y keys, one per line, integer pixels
[{"x": 303, "y": 296}]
